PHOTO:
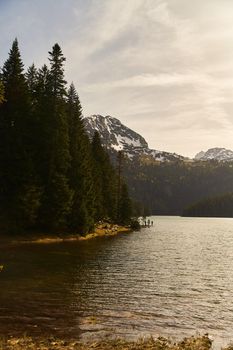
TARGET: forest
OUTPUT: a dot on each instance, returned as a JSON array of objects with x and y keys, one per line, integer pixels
[
  {"x": 52, "y": 176},
  {"x": 219, "y": 206},
  {"x": 169, "y": 187}
]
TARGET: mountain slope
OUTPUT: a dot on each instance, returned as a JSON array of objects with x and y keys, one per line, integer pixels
[
  {"x": 117, "y": 137},
  {"x": 156, "y": 179}
]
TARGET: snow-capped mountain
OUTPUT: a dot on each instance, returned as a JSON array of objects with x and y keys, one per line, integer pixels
[
  {"x": 116, "y": 136},
  {"x": 219, "y": 154}
]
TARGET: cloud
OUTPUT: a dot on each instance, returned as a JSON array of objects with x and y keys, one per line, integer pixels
[
  {"x": 146, "y": 80},
  {"x": 163, "y": 67}
]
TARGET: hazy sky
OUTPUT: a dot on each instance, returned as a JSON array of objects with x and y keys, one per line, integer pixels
[{"x": 163, "y": 67}]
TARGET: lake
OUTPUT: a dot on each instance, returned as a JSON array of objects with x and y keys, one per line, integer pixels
[{"x": 174, "y": 279}]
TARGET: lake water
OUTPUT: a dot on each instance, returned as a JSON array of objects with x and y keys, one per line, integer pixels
[{"x": 173, "y": 279}]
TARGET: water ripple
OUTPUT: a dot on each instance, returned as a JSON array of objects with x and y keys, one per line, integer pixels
[{"x": 174, "y": 279}]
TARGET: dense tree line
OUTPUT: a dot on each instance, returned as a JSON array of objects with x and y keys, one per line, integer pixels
[
  {"x": 167, "y": 188},
  {"x": 220, "y": 206},
  {"x": 52, "y": 176}
]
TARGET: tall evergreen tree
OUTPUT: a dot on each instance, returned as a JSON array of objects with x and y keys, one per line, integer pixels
[
  {"x": 42, "y": 83},
  {"x": 57, "y": 195},
  {"x": 81, "y": 217},
  {"x": 17, "y": 170},
  {"x": 31, "y": 78},
  {"x": 41, "y": 113},
  {"x": 125, "y": 206},
  {"x": 120, "y": 157},
  {"x": 32, "y": 82},
  {"x": 105, "y": 180}
]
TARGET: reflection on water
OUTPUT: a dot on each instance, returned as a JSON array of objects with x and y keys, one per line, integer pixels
[{"x": 174, "y": 278}]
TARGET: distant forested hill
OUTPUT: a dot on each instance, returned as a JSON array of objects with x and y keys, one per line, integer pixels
[
  {"x": 167, "y": 188},
  {"x": 221, "y": 206}
]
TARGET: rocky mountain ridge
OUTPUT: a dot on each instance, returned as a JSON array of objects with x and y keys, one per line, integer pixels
[
  {"x": 117, "y": 137},
  {"x": 216, "y": 153}
]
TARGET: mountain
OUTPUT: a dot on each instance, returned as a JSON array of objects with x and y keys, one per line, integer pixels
[
  {"x": 169, "y": 184},
  {"x": 199, "y": 155},
  {"x": 219, "y": 154},
  {"x": 117, "y": 137}
]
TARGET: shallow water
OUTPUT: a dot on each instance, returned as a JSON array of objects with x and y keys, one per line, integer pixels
[{"x": 173, "y": 279}]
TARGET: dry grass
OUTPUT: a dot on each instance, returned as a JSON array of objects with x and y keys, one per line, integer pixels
[{"x": 26, "y": 343}]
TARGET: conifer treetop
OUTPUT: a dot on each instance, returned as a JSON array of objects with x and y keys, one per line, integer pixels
[
  {"x": 13, "y": 67},
  {"x": 58, "y": 82},
  {"x": 73, "y": 98}
]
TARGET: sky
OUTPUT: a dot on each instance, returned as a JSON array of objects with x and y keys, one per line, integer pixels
[{"x": 163, "y": 67}]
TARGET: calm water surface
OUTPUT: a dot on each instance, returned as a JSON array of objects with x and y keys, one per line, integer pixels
[{"x": 173, "y": 279}]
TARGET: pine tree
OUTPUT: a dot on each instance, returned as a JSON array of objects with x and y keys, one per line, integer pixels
[
  {"x": 42, "y": 84},
  {"x": 31, "y": 78},
  {"x": 17, "y": 170},
  {"x": 120, "y": 157},
  {"x": 125, "y": 206},
  {"x": 124, "y": 203},
  {"x": 81, "y": 218},
  {"x": 57, "y": 80},
  {"x": 57, "y": 193},
  {"x": 60, "y": 157},
  {"x": 41, "y": 97},
  {"x": 32, "y": 84},
  {"x": 105, "y": 181}
]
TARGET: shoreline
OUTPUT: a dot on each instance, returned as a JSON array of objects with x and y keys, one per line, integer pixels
[
  {"x": 192, "y": 343},
  {"x": 101, "y": 230}
]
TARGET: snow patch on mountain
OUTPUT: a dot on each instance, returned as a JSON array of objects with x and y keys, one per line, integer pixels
[
  {"x": 217, "y": 153},
  {"x": 118, "y": 137}
]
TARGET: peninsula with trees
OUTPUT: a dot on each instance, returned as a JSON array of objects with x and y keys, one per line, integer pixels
[{"x": 53, "y": 177}]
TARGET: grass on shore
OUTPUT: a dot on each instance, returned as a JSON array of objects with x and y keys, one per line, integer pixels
[{"x": 26, "y": 343}]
